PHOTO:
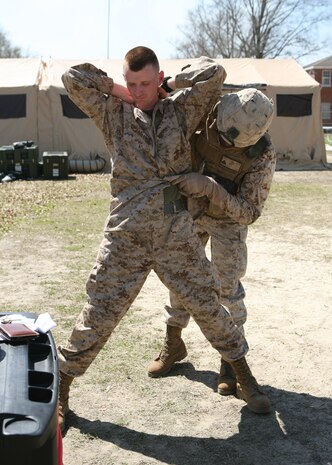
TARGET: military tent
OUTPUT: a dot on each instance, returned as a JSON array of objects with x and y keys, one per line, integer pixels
[
  {"x": 63, "y": 126},
  {"x": 59, "y": 125},
  {"x": 296, "y": 128},
  {"x": 19, "y": 87}
]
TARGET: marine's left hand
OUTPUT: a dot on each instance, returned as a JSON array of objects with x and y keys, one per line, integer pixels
[
  {"x": 194, "y": 184},
  {"x": 122, "y": 93},
  {"x": 199, "y": 185}
]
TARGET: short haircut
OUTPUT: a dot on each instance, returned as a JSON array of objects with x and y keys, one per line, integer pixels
[{"x": 139, "y": 57}]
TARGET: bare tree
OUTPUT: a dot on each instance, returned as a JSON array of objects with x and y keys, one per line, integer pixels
[
  {"x": 253, "y": 28},
  {"x": 7, "y": 50}
]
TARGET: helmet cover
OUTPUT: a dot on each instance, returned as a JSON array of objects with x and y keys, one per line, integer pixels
[{"x": 244, "y": 116}]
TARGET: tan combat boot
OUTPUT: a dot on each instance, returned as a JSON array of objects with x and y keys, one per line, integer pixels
[
  {"x": 248, "y": 388},
  {"x": 63, "y": 405},
  {"x": 173, "y": 351},
  {"x": 227, "y": 379}
]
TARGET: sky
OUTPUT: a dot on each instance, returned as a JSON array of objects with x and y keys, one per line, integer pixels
[
  {"x": 83, "y": 29},
  {"x": 79, "y": 28}
]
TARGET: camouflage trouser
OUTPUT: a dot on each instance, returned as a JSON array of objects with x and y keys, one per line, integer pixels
[
  {"x": 171, "y": 248},
  {"x": 229, "y": 257}
]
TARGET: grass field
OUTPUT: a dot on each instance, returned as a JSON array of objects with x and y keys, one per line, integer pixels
[
  {"x": 36, "y": 200},
  {"x": 23, "y": 200},
  {"x": 72, "y": 213},
  {"x": 50, "y": 232}
]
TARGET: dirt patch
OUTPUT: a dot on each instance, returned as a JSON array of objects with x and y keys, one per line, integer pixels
[{"x": 121, "y": 417}]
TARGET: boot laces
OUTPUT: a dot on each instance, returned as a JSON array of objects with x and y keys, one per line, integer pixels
[
  {"x": 167, "y": 348},
  {"x": 64, "y": 386},
  {"x": 170, "y": 345},
  {"x": 226, "y": 370},
  {"x": 244, "y": 373}
]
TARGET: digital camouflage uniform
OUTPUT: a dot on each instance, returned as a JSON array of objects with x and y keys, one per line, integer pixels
[
  {"x": 140, "y": 233},
  {"x": 228, "y": 232}
]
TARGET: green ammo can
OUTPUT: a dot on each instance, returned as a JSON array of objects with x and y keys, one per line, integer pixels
[
  {"x": 55, "y": 165},
  {"x": 26, "y": 161},
  {"x": 7, "y": 159}
]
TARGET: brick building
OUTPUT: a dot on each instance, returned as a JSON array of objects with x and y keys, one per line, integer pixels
[{"x": 321, "y": 71}]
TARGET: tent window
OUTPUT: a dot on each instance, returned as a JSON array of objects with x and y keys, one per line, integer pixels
[
  {"x": 13, "y": 106},
  {"x": 70, "y": 110},
  {"x": 294, "y": 105}
]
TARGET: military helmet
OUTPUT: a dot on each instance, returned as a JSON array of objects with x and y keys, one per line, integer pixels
[{"x": 244, "y": 116}]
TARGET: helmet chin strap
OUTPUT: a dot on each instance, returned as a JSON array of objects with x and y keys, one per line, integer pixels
[
  {"x": 230, "y": 135},
  {"x": 224, "y": 140}
]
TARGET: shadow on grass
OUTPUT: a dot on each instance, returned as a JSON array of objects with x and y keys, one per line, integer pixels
[
  {"x": 296, "y": 432},
  {"x": 187, "y": 369}
]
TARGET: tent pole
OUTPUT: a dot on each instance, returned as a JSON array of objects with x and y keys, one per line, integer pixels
[{"x": 108, "y": 29}]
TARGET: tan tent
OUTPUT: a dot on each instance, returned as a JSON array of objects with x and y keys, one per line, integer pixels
[
  {"x": 19, "y": 85},
  {"x": 296, "y": 128},
  {"x": 58, "y": 125},
  {"x": 63, "y": 126}
]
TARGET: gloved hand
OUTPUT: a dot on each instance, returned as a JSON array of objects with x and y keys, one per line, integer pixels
[
  {"x": 198, "y": 185},
  {"x": 200, "y": 69}
]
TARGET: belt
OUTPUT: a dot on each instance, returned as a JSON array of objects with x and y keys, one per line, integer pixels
[{"x": 174, "y": 202}]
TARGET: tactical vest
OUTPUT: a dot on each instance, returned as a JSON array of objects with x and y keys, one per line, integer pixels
[{"x": 227, "y": 165}]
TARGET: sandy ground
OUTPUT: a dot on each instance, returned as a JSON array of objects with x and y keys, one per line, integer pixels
[{"x": 121, "y": 417}]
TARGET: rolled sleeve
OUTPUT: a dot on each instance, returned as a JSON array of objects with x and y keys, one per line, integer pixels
[
  {"x": 202, "y": 82},
  {"x": 89, "y": 88}
]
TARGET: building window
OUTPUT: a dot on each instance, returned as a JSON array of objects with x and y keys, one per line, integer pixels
[
  {"x": 326, "y": 111},
  {"x": 326, "y": 78}
]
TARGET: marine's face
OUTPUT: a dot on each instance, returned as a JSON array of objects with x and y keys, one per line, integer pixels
[{"x": 143, "y": 85}]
